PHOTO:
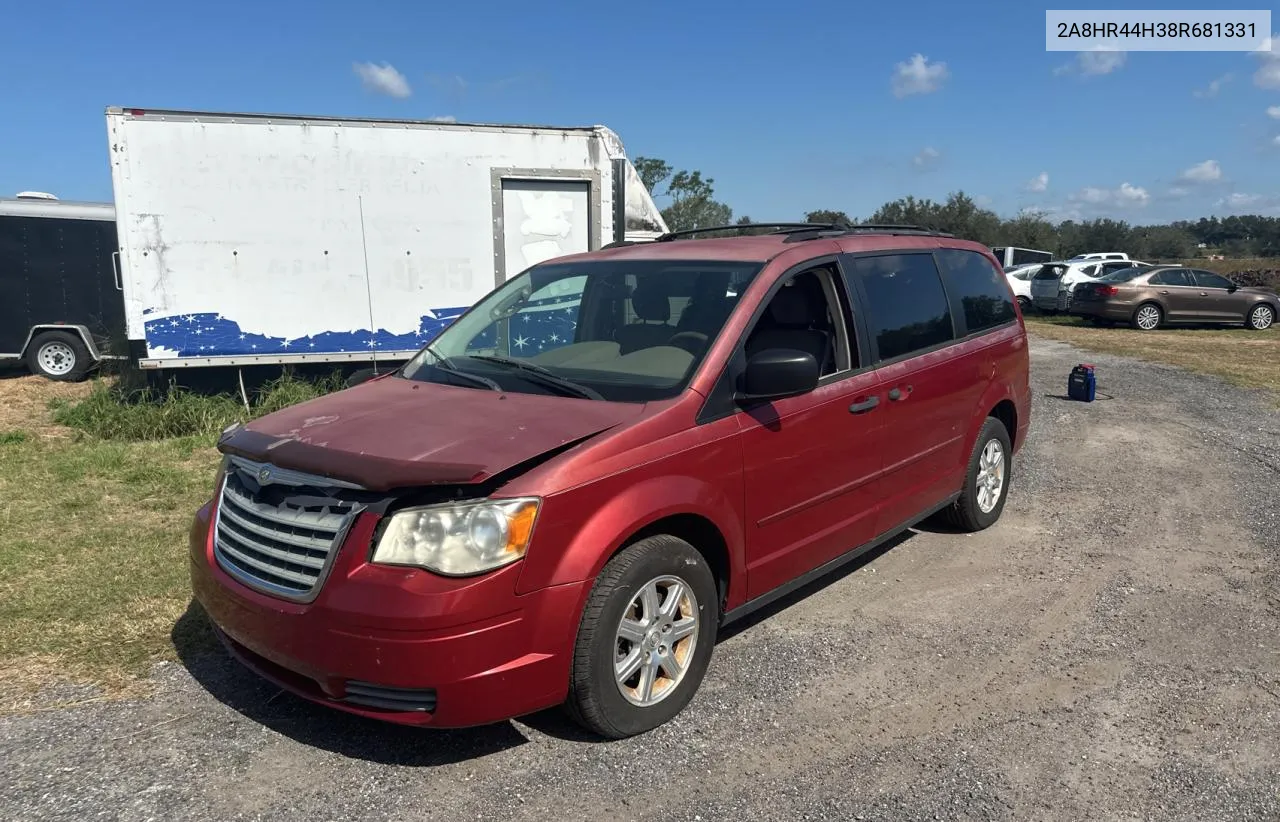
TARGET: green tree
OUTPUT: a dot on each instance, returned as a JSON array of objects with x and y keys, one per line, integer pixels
[
  {"x": 692, "y": 196},
  {"x": 828, "y": 216}
]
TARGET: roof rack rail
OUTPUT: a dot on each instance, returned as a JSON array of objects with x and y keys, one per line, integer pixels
[
  {"x": 865, "y": 228},
  {"x": 781, "y": 228}
]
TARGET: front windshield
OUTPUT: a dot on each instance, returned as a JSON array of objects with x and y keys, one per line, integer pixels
[{"x": 617, "y": 330}]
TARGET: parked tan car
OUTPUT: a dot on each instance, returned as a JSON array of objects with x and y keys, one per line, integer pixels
[{"x": 1148, "y": 298}]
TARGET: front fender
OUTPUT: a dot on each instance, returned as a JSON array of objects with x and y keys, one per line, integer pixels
[{"x": 574, "y": 538}]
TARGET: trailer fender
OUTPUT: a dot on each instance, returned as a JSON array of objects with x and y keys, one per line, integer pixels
[{"x": 79, "y": 330}]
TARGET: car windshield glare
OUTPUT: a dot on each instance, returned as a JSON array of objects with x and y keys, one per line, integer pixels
[{"x": 617, "y": 330}]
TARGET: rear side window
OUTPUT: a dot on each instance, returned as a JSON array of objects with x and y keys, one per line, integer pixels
[
  {"x": 905, "y": 304},
  {"x": 979, "y": 292},
  {"x": 1171, "y": 277}
]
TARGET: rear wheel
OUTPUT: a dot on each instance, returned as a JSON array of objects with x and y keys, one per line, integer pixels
[
  {"x": 1261, "y": 317},
  {"x": 58, "y": 355},
  {"x": 1024, "y": 304},
  {"x": 645, "y": 639},
  {"x": 1148, "y": 317},
  {"x": 987, "y": 480}
]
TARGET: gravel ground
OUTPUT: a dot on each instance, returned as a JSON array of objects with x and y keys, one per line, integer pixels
[{"x": 1107, "y": 651}]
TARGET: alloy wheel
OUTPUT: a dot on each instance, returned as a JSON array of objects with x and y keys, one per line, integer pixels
[
  {"x": 990, "y": 483},
  {"x": 656, "y": 639}
]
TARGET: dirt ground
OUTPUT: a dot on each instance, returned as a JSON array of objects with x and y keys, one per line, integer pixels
[{"x": 1108, "y": 651}]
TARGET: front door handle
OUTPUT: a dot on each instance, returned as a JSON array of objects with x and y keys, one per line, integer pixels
[
  {"x": 1164, "y": 292},
  {"x": 863, "y": 406}
]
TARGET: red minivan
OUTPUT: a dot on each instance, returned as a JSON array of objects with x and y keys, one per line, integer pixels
[{"x": 568, "y": 493}]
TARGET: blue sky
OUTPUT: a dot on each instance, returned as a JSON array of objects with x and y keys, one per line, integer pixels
[{"x": 789, "y": 107}]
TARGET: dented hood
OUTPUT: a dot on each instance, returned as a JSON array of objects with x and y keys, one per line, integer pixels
[{"x": 396, "y": 433}]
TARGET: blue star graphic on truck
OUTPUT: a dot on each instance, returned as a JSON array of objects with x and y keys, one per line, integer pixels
[{"x": 214, "y": 335}]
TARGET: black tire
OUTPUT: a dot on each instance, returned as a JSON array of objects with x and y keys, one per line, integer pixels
[
  {"x": 1025, "y": 305},
  {"x": 595, "y": 698},
  {"x": 1140, "y": 314},
  {"x": 966, "y": 513},
  {"x": 59, "y": 355},
  {"x": 1261, "y": 317}
]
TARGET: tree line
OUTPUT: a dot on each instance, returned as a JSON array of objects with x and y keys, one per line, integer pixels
[{"x": 691, "y": 204}]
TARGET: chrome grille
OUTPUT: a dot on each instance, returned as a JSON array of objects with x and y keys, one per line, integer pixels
[{"x": 279, "y": 548}]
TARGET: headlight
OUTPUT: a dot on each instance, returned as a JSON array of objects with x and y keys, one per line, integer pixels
[{"x": 458, "y": 539}]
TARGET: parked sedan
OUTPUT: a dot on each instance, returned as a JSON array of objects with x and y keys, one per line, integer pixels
[{"x": 1149, "y": 298}]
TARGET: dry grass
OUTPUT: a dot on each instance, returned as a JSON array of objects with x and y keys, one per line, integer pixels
[{"x": 1246, "y": 358}]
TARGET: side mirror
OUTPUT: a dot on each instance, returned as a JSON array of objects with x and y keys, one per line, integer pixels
[{"x": 778, "y": 373}]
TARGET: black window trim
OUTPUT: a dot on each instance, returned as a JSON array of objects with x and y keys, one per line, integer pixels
[{"x": 719, "y": 403}]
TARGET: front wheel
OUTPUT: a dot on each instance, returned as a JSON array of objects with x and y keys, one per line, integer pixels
[
  {"x": 987, "y": 480},
  {"x": 1261, "y": 317},
  {"x": 646, "y": 638},
  {"x": 1024, "y": 304}
]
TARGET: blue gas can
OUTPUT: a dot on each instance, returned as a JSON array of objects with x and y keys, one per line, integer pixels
[{"x": 1082, "y": 385}]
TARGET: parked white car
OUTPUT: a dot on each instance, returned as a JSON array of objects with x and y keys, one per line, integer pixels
[
  {"x": 1100, "y": 255},
  {"x": 1051, "y": 291},
  {"x": 1019, "y": 278}
]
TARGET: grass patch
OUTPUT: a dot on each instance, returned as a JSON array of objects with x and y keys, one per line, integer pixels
[
  {"x": 113, "y": 413},
  {"x": 1247, "y": 358},
  {"x": 93, "y": 527}
]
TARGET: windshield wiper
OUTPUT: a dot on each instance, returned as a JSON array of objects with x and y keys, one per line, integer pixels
[
  {"x": 541, "y": 375},
  {"x": 447, "y": 364}
]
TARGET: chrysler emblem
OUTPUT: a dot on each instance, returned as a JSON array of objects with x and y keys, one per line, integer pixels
[{"x": 264, "y": 475}]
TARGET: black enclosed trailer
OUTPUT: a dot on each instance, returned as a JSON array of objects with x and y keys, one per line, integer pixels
[{"x": 61, "y": 306}]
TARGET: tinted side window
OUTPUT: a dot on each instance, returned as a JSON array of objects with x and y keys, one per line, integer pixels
[
  {"x": 1207, "y": 279},
  {"x": 906, "y": 305},
  {"x": 1170, "y": 277},
  {"x": 978, "y": 292}
]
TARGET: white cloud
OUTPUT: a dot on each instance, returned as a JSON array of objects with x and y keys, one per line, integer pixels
[
  {"x": 918, "y": 76},
  {"x": 383, "y": 79},
  {"x": 1276, "y": 140},
  {"x": 1177, "y": 192},
  {"x": 1207, "y": 172},
  {"x": 446, "y": 118},
  {"x": 1040, "y": 182},
  {"x": 1214, "y": 87},
  {"x": 1094, "y": 62},
  {"x": 927, "y": 157},
  {"x": 1273, "y": 112},
  {"x": 1126, "y": 196},
  {"x": 1268, "y": 74}
]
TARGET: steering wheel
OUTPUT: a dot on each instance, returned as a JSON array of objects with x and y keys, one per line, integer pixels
[{"x": 691, "y": 341}]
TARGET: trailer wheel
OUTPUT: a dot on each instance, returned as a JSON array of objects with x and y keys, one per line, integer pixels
[{"x": 59, "y": 355}]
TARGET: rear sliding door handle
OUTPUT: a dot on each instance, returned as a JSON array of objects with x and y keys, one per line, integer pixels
[
  {"x": 896, "y": 394},
  {"x": 864, "y": 406}
]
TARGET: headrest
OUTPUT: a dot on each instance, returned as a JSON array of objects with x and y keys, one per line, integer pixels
[
  {"x": 651, "y": 301},
  {"x": 792, "y": 306}
]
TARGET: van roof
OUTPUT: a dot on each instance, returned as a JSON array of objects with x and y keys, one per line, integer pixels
[{"x": 762, "y": 247}]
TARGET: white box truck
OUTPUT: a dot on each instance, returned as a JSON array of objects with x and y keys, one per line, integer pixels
[{"x": 249, "y": 239}]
